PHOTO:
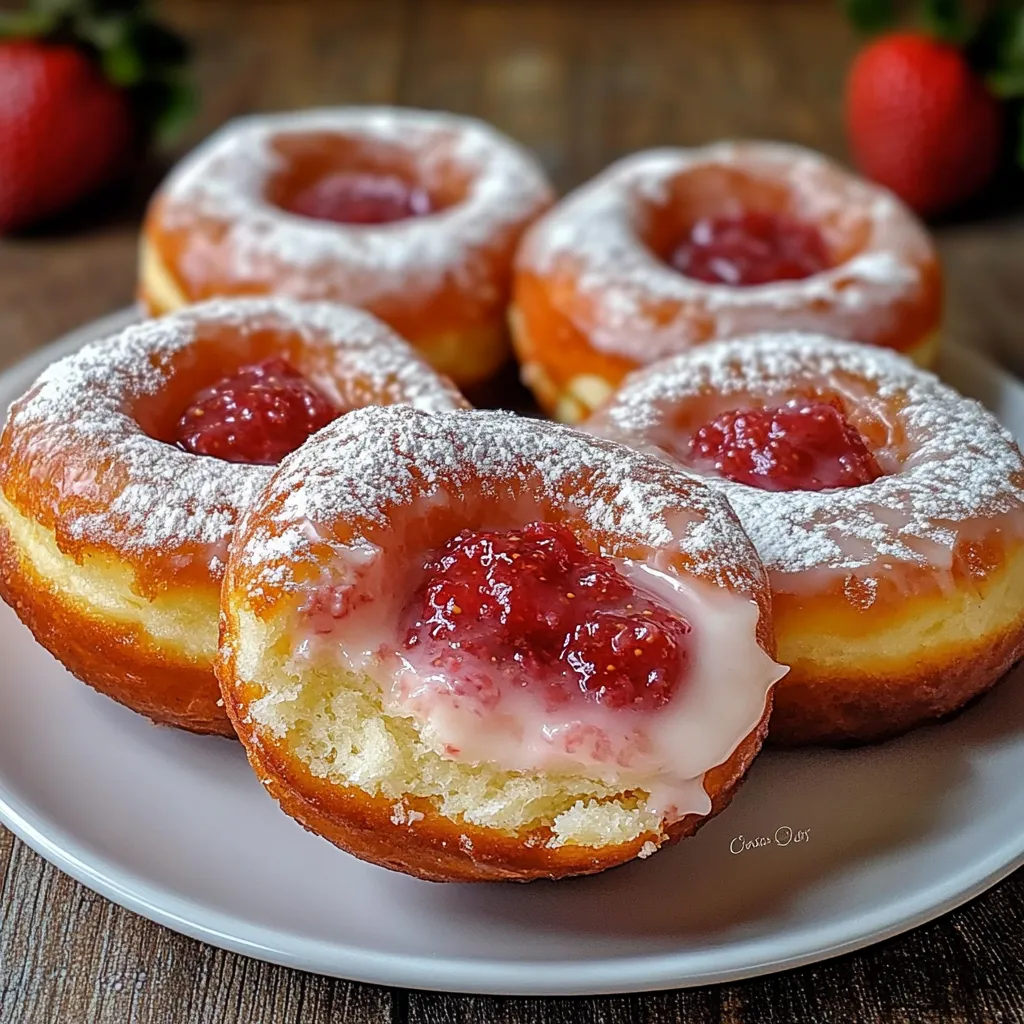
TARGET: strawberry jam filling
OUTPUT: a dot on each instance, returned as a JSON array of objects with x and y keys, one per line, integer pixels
[
  {"x": 751, "y": 248},
  {"x": 258, "y": 415},
  {"x": 536, "y": 609},
  {"x": 349, "y": 197},
  {"x": 800, "y": 446}
]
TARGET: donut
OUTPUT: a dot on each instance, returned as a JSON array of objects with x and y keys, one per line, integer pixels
[
  {"x": 410, "y": 214},
  {"x": 887, "y": 508},
  {"x": 123, "y": 471},
  {"x": 671, "y": 248},
  {"x": 480, "y": 647}
]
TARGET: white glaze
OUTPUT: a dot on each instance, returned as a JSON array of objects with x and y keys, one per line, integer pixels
[
  {"x": 257, "y": 244},
  {"x": 629, "y": 303},
  {"x": 352, "y": 614},
  {"x": 370, "y": 470},
  {"x": 665, "y": 753},
  {"x": 163, "y": 499},
  {"x": 953, "y": 473}
]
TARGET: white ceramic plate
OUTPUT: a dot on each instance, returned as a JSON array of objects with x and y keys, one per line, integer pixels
[{"x": 857, "y": 846}]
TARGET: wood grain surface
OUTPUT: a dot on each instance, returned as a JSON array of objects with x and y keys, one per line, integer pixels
[{"x": 581, "y": 83}]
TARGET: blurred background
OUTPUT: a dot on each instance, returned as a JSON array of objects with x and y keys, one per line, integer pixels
[{"x": 580, "y": 82}]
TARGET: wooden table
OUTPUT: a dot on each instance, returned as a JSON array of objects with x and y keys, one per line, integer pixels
[{"x": 581, "y": 83}]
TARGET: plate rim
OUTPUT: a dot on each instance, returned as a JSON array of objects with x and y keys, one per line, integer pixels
[{"x": 592, "y": 976}]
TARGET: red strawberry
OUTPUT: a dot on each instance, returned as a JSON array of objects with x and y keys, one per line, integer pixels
[
  {"x": 800, "y": 446},
  {"x": 82, "y": 83},
  {"x": 257, "y": 415},
  {"x": 543, "y": 610},
  {"x": 63, "y": 129},
  {"x": 921, "y": 122}
]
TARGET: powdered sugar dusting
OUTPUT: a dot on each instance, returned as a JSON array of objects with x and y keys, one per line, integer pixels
[
  {"x": 628, "y": 302},
  {"x": 951, "y": 463},
  {"x": 361, "y": 468},
  {"x": 217, "y": 197},
  {"x": 113, "y": 485}
]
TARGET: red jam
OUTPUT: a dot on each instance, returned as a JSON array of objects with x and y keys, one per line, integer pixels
[
  {"x": 752, "y": 248},
  {"x": 543, "y": 610},
  {"x": 350, "y": 197},
  {"x": 258, "y": 415},
  {"x": 801, "y": 446}
]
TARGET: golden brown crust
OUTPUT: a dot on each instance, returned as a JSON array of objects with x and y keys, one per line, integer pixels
[
  {"x": 469, "y": 354},
  {"x": 593, "y": 299},
  {"x": 816, "y": 706},
  {"x": 555, "y": 354},
  {"x": 116, "y": 659},
  {"x": 482, "y": 458},
  {"x": 451, "y": 311},
  {"x": 96, "y": 429},
  {"x": 434, "y": 847}
]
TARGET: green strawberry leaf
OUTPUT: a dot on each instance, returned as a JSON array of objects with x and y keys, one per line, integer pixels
[
  {"x": 870, "y": 15},
  {"x": 26, "y": 24},
  {"x": 101, "y": 32},
  {"x": 54, "y": 8},
  {"x": 947, "y": 20},
  {"x": 123, "y": 65},
  {"x": 997, "y": 49},
  {"x": 180, "y": 106},
  {"x": 165, "y": 106}
]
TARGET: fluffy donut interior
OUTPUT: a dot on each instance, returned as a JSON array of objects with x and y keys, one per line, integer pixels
[
  {"x": 336, "y": 724},
  {"x": 159, "y": 290},
  {"x": 180, "y": 621}
]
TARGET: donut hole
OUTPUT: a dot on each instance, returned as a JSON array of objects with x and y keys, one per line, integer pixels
[
  {"x": 219, "y": 351},
  {"x": 351, "y": 180},
  {"x": 735, "y": 227}
]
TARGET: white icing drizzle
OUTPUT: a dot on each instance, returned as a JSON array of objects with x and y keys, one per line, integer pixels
[
  {"x": 363, "y": 468},
  {"x": 628, "y": 302},
  {"x": 342, "y": 502},
  {"x": 223, "y": 182},
  {"x": 951, "y": 463},
  {"x": 720, "y": 700},
  {"x": 163, "y": 498}
]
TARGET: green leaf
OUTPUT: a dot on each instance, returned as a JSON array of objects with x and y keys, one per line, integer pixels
[
  {"x": 123, "y": 64},
  {"x": 102, "y": 32},
  {"x": 54, "y": 8},
  {"x": 165, "y": 106},
  {"x": 26, "y": 24},
  {"x": 181, "y": 106},
  {"x": 947, "y": 20},
  {"x": 998, "y": 48},
  {"x": 870, "y": 15}
]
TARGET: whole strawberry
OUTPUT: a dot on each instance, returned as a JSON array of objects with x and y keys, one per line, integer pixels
[
  {"x": 64, "y": 129},
  {"x": 83, "y": 83},
  {"x": 921, "y": 122}
]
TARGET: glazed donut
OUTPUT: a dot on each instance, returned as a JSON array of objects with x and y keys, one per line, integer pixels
[
  {"x": 887, "y": 508},
  {"x": 474, "y": 646},
  {"x": 671, "y": 248},
  {"x": 409, "y": 214},
  {"x": 114, "y": 533}
]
